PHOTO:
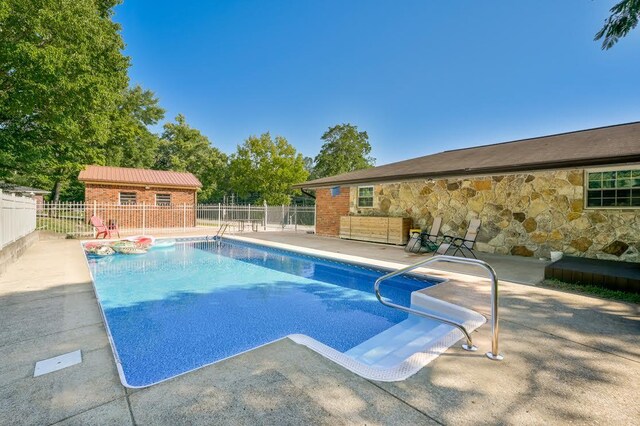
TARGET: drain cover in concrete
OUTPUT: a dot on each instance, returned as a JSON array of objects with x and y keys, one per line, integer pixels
[{"x": 57, "y": 363}]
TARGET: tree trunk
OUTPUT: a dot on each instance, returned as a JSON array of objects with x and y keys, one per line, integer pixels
[{"x": 56, "y": 192}]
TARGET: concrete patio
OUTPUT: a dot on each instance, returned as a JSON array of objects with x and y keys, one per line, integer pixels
[{"x": 568, "y": 359}]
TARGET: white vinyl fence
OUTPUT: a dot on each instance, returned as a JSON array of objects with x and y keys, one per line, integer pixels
[
  {"x": 73, "y": 219},
  {"x": 17, "y": 217}
]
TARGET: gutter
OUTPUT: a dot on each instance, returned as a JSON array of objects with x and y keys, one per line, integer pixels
[{"x": 308, "y": 194}]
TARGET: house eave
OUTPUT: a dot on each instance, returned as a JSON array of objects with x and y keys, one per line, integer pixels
[{"x": 479, "y": 171}]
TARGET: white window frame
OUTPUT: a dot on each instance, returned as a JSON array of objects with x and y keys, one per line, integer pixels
[
  {"x": 359, "y": 197},
  {"x": 163, "y": 204},
  {"x": 631, "y": 167},
  {"x": 135, "y": 198}
]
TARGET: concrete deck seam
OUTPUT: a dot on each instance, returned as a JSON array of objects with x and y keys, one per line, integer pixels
[
  {"x": 402, "y": 401},
  {"x": 572, "y": 341},
  {"x": 51, "y": 334},
  {"x": 87, "y": 410},
  {"x": 133, "y": 419}
]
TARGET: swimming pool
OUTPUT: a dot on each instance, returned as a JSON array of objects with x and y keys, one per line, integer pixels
[{"x": 176, "y": 309}]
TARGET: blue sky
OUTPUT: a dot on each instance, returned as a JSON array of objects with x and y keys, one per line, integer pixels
[{"x": 419, "y": 76}]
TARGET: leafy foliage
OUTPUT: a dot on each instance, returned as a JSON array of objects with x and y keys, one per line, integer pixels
[
  {"x": 131, "y": 143},
  {"x": 62, "y": 73},
  {"x": 345, "y": 150},
  {"x": 184, "y": 149},
  {"x": 65, "y": 102},
  {"x": 268, "y": 168},
  {"x": 624, "y": 18}
]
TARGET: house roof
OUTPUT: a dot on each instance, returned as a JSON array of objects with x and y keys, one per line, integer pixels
[
  {"x": 605, "y": 145},
  {"x": 19, "y": 189},
  {"x": 105, "y": 174}
]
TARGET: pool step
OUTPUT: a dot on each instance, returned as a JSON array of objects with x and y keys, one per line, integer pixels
[
  {"x": 415, "y": 334},
  {"x": 399, "y": 342}
]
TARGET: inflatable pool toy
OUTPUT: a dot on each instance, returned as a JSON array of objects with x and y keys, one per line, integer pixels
[
  {"x": 142, "y": 240},
  {"x": 132, "y": 250},
  {"x": 169, "y": 242},
  {"x": 104, "y": 251},
  {"x": 130, "y": 247},
  {"x": 99, "y": 249}
]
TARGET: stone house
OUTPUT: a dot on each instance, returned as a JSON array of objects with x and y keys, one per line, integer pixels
[
  {"x": 128, "y": 196},
  {"x": 576, "y": 192}
]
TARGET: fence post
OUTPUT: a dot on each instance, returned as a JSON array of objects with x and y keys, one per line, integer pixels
[
  {"x": 219, "y": 211},
  {"x": 315, "y": 216},
  {"x": 95, "y": 207},
  {"x": 184, "y": 217},
  {"x": 249, "y": 213},
  {"x": 144, "y": 219},
  {"x": 13, "y": 216},
  {"x": 266, "y": 209},
  {"x": 295, "y": 217},
  {"x": 2, "y": 225}
]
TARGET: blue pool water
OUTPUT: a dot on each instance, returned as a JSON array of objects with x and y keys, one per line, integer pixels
[{"x": 173, "y": 310}]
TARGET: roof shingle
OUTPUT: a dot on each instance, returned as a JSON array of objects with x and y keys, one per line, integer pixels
[
  {"x": 138, "y": 176},
  {"x": 605, "y": 145}
]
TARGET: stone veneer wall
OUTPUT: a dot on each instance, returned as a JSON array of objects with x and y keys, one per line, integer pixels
[{"x": 527, "y": 214}]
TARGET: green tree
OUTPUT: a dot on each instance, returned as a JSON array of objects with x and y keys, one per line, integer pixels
[
  {"x": 309, "y": 165},
  {"x": 131, "y": 143},
  {"x": 62, "y": 74},
  {"x": 624, "y": 18},
  {"x": 345, "y": 149},
  {"x": 184, "y": 149},
  {"x": 266, "y": 168}
]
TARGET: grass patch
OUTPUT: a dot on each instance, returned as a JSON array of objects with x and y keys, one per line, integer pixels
[
  {"x": 592, "y": 290},
  {"x": 63, "y": 226}
]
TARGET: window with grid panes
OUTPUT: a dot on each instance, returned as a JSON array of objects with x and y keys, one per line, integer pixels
[
  {"x": 365, "y": 196},
  {"x": 616, "y": 188}
]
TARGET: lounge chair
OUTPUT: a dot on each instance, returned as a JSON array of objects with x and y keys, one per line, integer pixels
[
  {"x": 459, "y": 244},
  {"x": 426, "y": 241},
  {"x": 431, "y": 239},
  {"x": 102, "y": 229}
]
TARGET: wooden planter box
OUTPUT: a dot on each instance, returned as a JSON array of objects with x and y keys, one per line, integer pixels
[{"x": 391, "y": 230}]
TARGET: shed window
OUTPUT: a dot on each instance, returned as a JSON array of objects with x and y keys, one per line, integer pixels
[
  {"x": 365, "y": 196},
  {"x": 127, "y": 198},
  {"x": 617, "y": 188},
  {"x": 163, "y": 199}
]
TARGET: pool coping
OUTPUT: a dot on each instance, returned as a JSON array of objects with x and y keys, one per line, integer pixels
[{"x": 401, "y": 371}]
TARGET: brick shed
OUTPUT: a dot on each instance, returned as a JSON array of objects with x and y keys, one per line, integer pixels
[{"x": 141, "y": 198}]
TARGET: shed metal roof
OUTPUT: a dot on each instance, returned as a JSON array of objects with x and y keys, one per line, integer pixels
[
  {"x": 600, "y": 146},
  {"x": 125, "y": 175}
]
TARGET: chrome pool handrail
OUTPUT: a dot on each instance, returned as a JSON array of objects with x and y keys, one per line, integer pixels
[
  {"x": 494, "y": 354},
  {"x": 222, "y": 229}
]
